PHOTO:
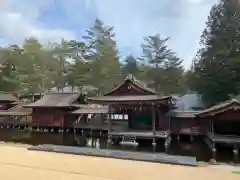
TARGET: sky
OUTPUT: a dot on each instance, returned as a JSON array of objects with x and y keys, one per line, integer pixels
[{"x": 51, "y": 20}]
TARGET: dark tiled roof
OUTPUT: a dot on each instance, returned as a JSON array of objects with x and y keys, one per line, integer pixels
[
  {"x": 17, "y": 110},
  {"x": 12, "y": 113},
  {"x": 183, "y": 114},
  {"x": 128, "y": 98},
  {"x": 143, "y": 85},
  {"x": 221, "y": 107},
  {"x": 85, "y": 88},
  {"x": 8, "y": 97},
  {"x": 189, "y": 102},
  {"x": 53, "y": 99}
]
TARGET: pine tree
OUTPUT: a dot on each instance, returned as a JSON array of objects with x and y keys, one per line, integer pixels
[
  {"x": 103, "y": 49},
  {"x": 217, "y": 70},
  {"x": 165, "y": 67}
]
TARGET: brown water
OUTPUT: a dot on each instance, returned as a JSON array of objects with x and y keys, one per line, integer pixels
[{"x": 196, "y": 148}]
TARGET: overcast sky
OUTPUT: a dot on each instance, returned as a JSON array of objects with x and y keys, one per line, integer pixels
[{"x": 181, "y": 20}]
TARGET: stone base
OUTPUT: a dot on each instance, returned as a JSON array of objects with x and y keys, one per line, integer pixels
[{"x": 213, "y": 161}]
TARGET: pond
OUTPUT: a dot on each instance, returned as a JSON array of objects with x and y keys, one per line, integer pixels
[{"x": 196, "y": 148}]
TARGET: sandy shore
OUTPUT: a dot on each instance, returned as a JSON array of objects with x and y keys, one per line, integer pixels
[{"x": 18, "y": 163}]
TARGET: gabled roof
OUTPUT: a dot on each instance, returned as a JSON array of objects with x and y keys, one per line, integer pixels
[
  {"x": 17, "y": 110},
  {"x": 133, "y": 98},
  {"x": 222, "y": 107},
  {"x": 183, "y": 114},
  {"x": 189, "y": 102},
  {"x": 7, "y": 97},
  {"x": 55, "y": 99},
  {"x": 84, "y": 88},
  {"x": 139, "y": 84}
]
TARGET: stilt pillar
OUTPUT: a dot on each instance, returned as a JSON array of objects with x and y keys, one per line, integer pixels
[
  {"x": 178, "y": 137},
  {"x": 109, "y": 140},
  {"x": 154, "y": 144},
  {"x": 153, "y": 120},
  {"x": 167, "y": 143},
  {"x": 235, "y": 153},
  {"x": 191, "y": 138},
  {"x": 213, "y": 160}
]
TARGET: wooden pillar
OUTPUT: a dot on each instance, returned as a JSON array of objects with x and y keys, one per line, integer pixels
[
  {"x": 109, "y": 119},
  {"x": 169, "y": 123},
  {"x": 153, "y": 119},
  {"x": 214, "y": 151},
  {"x": 109, "y": 124},
  {"x": 235, "y": 153},
  {"x": 213, "y": 127},
  {"x": 154, "y": 144}
]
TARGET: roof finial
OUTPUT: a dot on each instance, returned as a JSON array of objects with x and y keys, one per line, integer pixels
[{"x": 130, "y": 77}]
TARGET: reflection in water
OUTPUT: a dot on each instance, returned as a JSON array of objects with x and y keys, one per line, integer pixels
[{"x": 196, "y": 148}]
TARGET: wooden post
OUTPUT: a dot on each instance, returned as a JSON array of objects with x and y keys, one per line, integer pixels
[
  {"x": 169, "y": 124},
  {"x": 153, "y": 120},
  {"x": 154, "y": 144},
  {"x": 109, "y": 125},
  {"x": 110, "y": 119},
  {"x": 235, "y": 153},
  {"x": 213, "y": 127},
  {"x": 214, "y": 151}
]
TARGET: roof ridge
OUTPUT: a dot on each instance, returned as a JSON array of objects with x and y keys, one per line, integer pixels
[
  {"x": 4, "y": 92},
  {"x": 62, "y": 93}
]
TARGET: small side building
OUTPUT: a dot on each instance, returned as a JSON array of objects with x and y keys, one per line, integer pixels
[
  {"x": 224, "y": 125},
  {"x": 51, "y": 111},
  {"x": 183, "y": 116}
]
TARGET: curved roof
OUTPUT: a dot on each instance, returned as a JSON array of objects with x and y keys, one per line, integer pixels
[
  {"x": 135, "y": 98},
  {"x": 219, "y": 108},
  {"x": 189, "y": 102},
  {"x": 139, "y": 84},
  {"x": 7, "y": 97},
  {"x": 53, "y": 99}
]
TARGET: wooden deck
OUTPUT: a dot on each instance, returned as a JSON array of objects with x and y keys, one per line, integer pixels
[
  {"x": 216, "y": 138},
  {"x": 149, "y": 157},
  {"x": 140, "y": 134}
]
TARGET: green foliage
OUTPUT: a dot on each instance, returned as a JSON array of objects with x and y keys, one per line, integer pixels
[
  {"x": 91, "y": 65},
  {"x": 216, "y": 71},
  {"x": 165, "y": 70}
]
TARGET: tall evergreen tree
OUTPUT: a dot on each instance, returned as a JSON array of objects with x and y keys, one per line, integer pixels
[
  {"x": 103, "y": 49},
  {"x": 217, "y": 70},
  {"x": 166, "y": 67}
]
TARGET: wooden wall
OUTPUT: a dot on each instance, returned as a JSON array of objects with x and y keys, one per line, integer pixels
[
  {"x": 48, "y": 117},
  {"x": 189, "y": 126},
  {"x": 230, "y": 115}
]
